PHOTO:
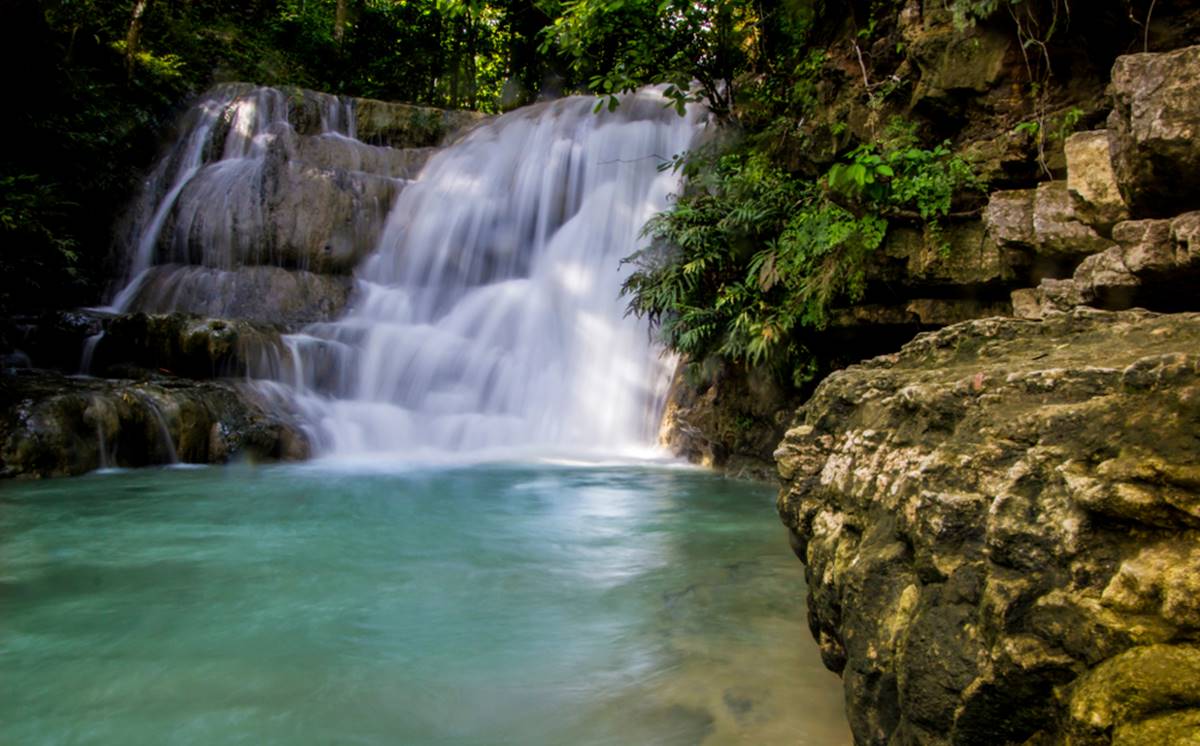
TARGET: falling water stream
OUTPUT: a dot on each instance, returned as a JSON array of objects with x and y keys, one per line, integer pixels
[{"x": 489, "y": 315}]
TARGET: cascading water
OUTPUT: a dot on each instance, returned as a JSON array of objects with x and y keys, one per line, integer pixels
[
  {"x": 488, "y": 314},
  {"x": 489, "y": 317},
  {"x": 265, "y": 195}
]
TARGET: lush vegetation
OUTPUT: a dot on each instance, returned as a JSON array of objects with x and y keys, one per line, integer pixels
[
  {"x": 751, "y": 255},
  {"x": 780, "y": 213},
  {"x": 97, "y": 83}
]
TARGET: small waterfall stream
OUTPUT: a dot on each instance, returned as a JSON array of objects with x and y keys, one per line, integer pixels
[{"x": 164, "y": 432}]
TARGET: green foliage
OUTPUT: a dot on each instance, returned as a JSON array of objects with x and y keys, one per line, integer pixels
[
  {"x": 620, "y": 45},
  {"x": 752, "y": 256},
  {"x": 101, "y": 112},
  {"x": 967, "y": 12},
  {"x": 896, "y": 177}
]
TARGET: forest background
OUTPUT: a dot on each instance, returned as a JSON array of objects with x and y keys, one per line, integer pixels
[{"x": 782, "y": 206}]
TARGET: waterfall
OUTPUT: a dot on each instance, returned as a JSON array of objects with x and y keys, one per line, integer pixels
[
  {"x": 264, "y": 190},
  {"x": 483, "y": 307},
  {"x": 489, "y": 316},
  {"x": 164, "y": 432}
]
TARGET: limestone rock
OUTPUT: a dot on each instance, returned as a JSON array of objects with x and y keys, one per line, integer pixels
[
  {"x": 49, "y": 340},
  {"x": 1153, "y": 264},
  {"x": 1145, "y": 246},
  {"x": 1009, "y": 217},
  {"x": 1057, "y": 228},
  {"x": 1106, "y": 280},
  {"x": 53, "y": 426},
  {"x": 408, "y": 126},
  {"x": 270, "y": 295},
  {"x": 952, "y": 60},
  {"x": 1155, "y": 129},
  {"x": 924, "y": 312},
  {"x": 1027, "y": 304},
  {"x": 1133, "y": 687},
  {"x": 1050, "y": 296},
  {"x": 962, "y": 253},
  {"x": 999, "y": 525},
  {"x": 189, "y": 346},
  {"x": 1092, "y": 181},
  {"x": 725, "y": 419},
  {"x": 310, "y": 205}
]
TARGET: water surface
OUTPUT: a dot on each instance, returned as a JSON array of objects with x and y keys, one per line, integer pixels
[{"x": 486, "y": 604}]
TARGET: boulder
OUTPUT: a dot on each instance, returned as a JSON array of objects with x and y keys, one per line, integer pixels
[
  {"x": 1042, "y": 220},
  {"x": 1105, "y": 280},
  {"x": 1008, "y": 217},
  {"x": 1051, "y": 295},
  {"x": 1155, "y": 131},
  {"x": 1057, "y": 229},
  {"x": 52, "y": 426},
  {"x": 1145, "y": 246},
  {"x": 1001, "y": 531},
  {"x": 1092, "y": 181}
]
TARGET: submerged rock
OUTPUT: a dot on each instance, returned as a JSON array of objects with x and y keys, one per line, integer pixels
[
  {"x": 1001, "y": 528},
  {"x": 52, "y": 426}
]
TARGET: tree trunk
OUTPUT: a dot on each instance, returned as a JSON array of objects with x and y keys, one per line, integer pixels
[
  {"x": 339, "y": 22},
  {"x": 134, "y": 34},
  {"x": 472, "y": 68}
]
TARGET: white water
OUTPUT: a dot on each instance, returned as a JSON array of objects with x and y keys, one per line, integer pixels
[{"x": 490, "y": 317}]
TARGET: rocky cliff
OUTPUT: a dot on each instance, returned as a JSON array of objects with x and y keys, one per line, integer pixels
[
  {"x": 1001, "y": 522},
  {"x": 1000, "y": 528},
  {"x": 1097, "y": 209}
]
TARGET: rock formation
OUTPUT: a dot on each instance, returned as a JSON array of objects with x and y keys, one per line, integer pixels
[
  {"x": 53, "y": 426},
  {"x": 1000, "y": 530},
  {"x": 1001, "y": 521},
  {"x": 249, "y": 227}
]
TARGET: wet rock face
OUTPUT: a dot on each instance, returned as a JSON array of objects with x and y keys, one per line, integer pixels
[
  {"x": 268, "y": 295},
  {"x": 1001, "y": 531},
  {"x": 315, "y": 203},
  {"x": 408, "y": 126},
  {"x": 188, "y": 346},
  {"x": 731, "y": 421},
  {"x": 52, "y": 426}
]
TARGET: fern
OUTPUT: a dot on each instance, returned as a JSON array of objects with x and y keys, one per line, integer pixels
[{"x": 752, "y": 256}]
